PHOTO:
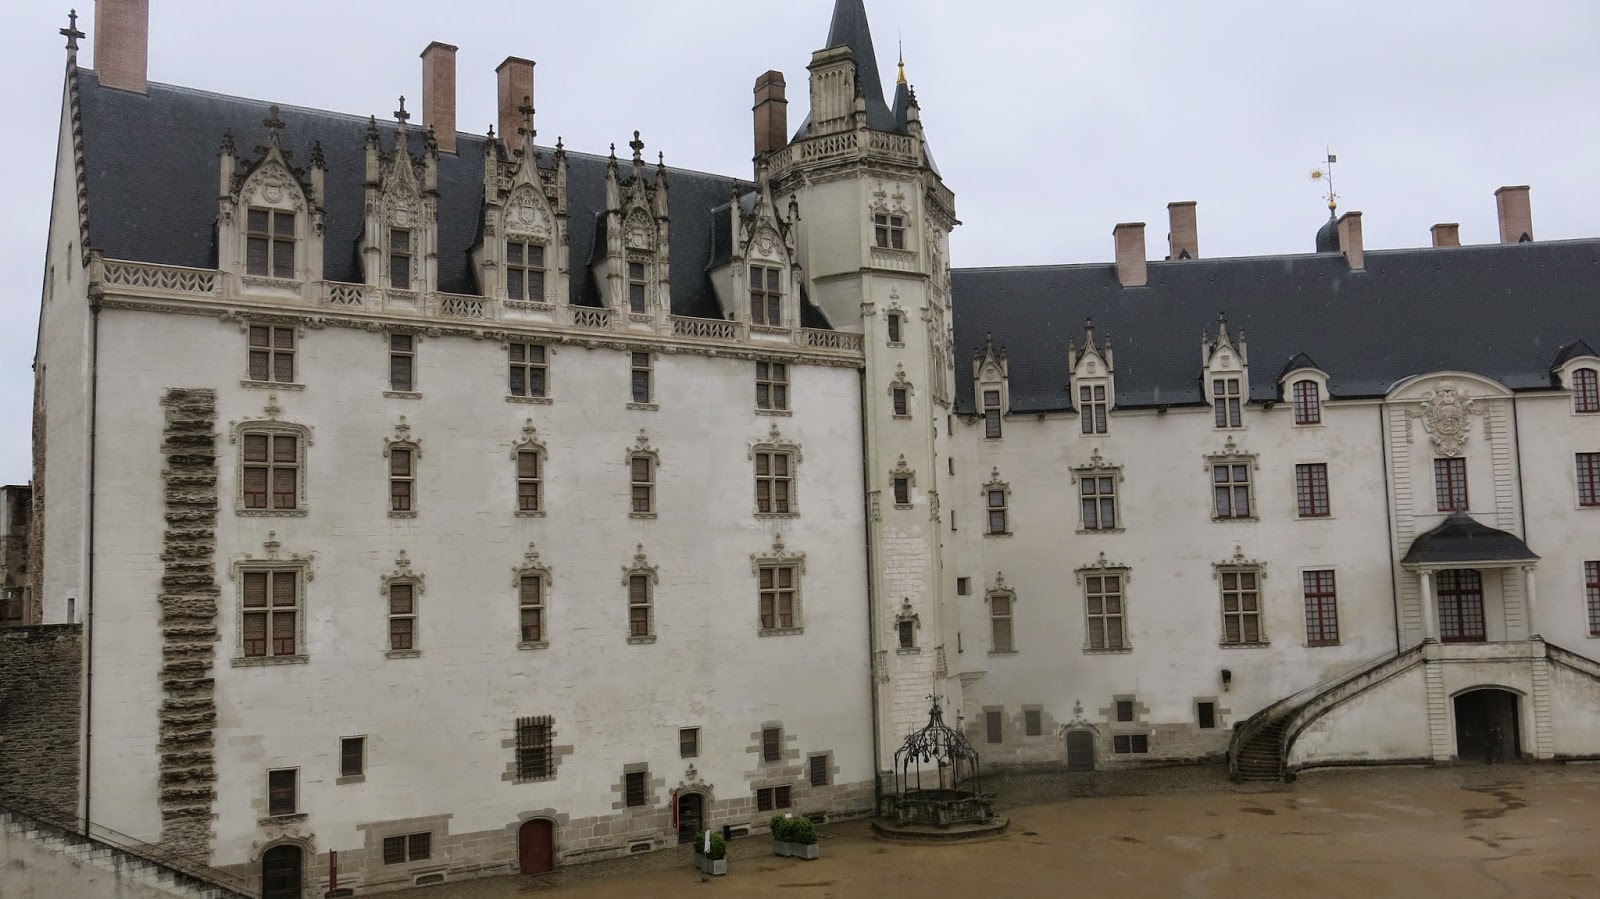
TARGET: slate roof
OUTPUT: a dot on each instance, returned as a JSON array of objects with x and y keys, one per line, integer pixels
[
  {"x": 1500, "y": 311},
  {"x": 849, "y": 29},
  {"x": 1461, "y": 539},
  {"x": 151, "y": 162}
]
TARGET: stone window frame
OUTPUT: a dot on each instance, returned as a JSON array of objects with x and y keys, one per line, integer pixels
[
  {"x": 826, "y": 769},
  {"x": 643, "y": 451},
  {"x": 408, "y": 850},
  {"x": 688, "y": 742},
  {"x": 1137, "y": 743},
  {"x": 777, "y": 384},
  {"x": 1228, "y": 402},
  {"x": 641, "y": 567},
  {"x": 272, "y": 426},
  {"x": 777, "y": 444},
  {"x": 907, "y": 619},
  {"x": 346, "y": 776},
  {"x": 1445, "y": 469},
  {"x": 1094, "y": 412},
  {"x": 902, "y": 471},
  {"x": 294, "y": 799},
  {"x": 1586, "y": 475},
  {"x": 527, "y": 367},
  {"x": 532, "y": 566},
  {"x": 271, "y": 235},
  {"x": 646, "y": 260},
  {"x": 402, "y": 440},
  {"x": 1098, "y": 468},
  {"x": 894, "y": 322},
  {"x": 1306, "y": 398},
  {"x": 402, "y": 574},
  {"x": 529, "y": 443},
  {"x": 1326, "y": 599},
  {"x": 772, "y": 744},
  {"x": 412, "y": 392},
  {"x": 991, "y": 371},
  {"x": 1032, "y": 721},
  {"x": 888, "y": 224},
  {"x": 776, "y": 557},
  {"x": 1232, "y": 456},
  {"x": 900, "y": 383},
  {"x": 1305, "y": 491},
  {"x": 768, "y": 798},
  {"x": 1103, "y": 569},
  {"x": 642, "y": 773},
  {"x": 994, "y": 725},
  {"x": 761, "y": 294},
  {"x": 1000, "y": 591},
  {"x": 1217, "y": 712},
  {"x": 1591, "y": 584},
  {"x": 1585, "y": 388},
  {"x": 527, "y": 242},
  {"x": 1239, "y": 565},
  {"x": 995, "y": 485},
  {"x": 272, "y": 326},
  {"x": 1131, "y": 730},
  {"x": 648, "y": 369},
  {"x": 411, "y": 253},
  {"x": 527, "y": 744},
  {"x": 272, "y": 561}
]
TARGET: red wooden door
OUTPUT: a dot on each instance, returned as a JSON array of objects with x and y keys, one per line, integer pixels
[{"x": 536, "y": 847}]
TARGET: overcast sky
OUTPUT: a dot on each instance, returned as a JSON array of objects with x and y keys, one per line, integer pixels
[{"x": 1050, "y": 121}]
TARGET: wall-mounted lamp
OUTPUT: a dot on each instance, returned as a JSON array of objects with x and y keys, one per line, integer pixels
[{"x": 1227, "y": 679}]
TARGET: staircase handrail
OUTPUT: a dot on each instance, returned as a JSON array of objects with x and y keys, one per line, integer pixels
[
  {"x": 232, "y": 885},
  {"x": 1245, "y": 732},
  {"x": 1376, "y": 672},
  {"x": 1577, "y": 661}
]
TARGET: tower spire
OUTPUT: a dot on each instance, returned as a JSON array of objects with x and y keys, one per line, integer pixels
[
  {"x": 849, "y": 29},
  {"x": 901, "y": 78}
]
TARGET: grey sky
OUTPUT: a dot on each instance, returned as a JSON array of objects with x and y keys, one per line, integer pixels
[{"x": 1051, "y": 122}]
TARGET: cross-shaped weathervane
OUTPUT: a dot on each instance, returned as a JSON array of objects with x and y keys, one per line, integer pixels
[
  {"x": 400, "y": 115},
  {"x": 638, "y": 148},
  {"x": 272, "y": 121},
  {"x": 71, "y": 32}
]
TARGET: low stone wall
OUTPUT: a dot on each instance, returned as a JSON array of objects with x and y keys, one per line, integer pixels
[
  {"x": 42, "y": 862},
  {"x": 40, "y": 680}
]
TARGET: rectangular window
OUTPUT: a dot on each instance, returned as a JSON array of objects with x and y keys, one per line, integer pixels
[
  {"x": 271, "y": 471},
  {"x": 642, "y": 472},
  {"x": 402, "y": 363},
  {"x": 1307, "y": 403},
  {"x": 772, "y": 744},
  {"x": 271, "y": 608},
  {"x": 902, "y": 401},
  {"x": 1103, "y": 604},
  {"x": 991, "y": 415},
  {"x": 889, "y": 231},
  {"x": 402, "y": 480},
  {"x": 272, "y": 354},
  {"x": 525, "y": 271},
  {"x": 1591, "y": 581},
  {"x": 402, "y": 617},
  {"x": 1241, "y": 607},
  {"x": 778, "y": 594},
  {"x": 530, "y": 605},
  {"x": 902, "y": 491},
  {"x": 399, "y": 259},
  {"x": 1092, "y": 408},
  {"x": 992, "y": 725},
  {"x": 1322, "y": 608},
  {"x": 1032, "y": 725},
  {"x": 819, "y": 770},
  {"x": 772, "y": 386},
  {"x": 1586, "y": 390},
  {"x": 1589, "y": 479},
  {"x": 1124, "y": 710},
  {"x": 283, "y": 792},
  {"x": 636, "y": 290},
  {"x": 1231, "y": 487},
  {"x": 1098, "y": 496},
  {"x": 997, "y": 512},
  {"x": 1000, "y": 622},
  {"x": 352, "y": 756},
  {"x": 894, "y": 320},
  {"x": 641, "y": 377},
  {"x": 774, "y": 483},
  {"x": 1226, "y": 402},
  {"x": 906, "y": 630},
  {"x": 637, "y": 794},
  {"x": 689, "y": 742},
  {"x": 770, "y": 798},
  {"x": 411, "y": 847},
  {"x": 530, "y": 481},
  {"x": 528, "y": 369},
  {"x": 766, "y": 296},
  {"x": 1311, "y": 489},
  {"x": 269, "y": 243},
  {"x": 963, "y": 586},
  {"x": 534, "y": 759},
  {"x": 1206, "y": 715},
  {"x": 1450, "y": 484},
  {"x": 1130, "y": 744},
  {"x": 639, "y": 605}
]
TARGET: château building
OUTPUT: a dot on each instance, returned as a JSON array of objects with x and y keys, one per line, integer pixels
[{"x": 439, "y": 505}]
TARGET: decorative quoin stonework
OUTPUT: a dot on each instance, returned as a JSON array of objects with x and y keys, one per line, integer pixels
[{"x": 1446, "y": 415}]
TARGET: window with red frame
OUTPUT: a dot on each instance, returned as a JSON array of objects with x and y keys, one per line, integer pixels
[
  {"x": 1307, "y": 403},
  {"x": 1589, "y": 479},
  {"x": 1322, "y": 608},
  {"x": 1586, "y": 390},
  {"x": 1450, "y": 483}
]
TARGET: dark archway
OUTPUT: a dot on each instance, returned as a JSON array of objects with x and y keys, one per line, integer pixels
[
  {"x": 691, "y": 816},
  {"x": 282, "y": 872},
  {"x": 1487, "y": 726},
  {"x": 536, "y": 846},
  {"x": 1080, "y": 750}
]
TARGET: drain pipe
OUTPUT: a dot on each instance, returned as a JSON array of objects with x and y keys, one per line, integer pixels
[
  {"x": 872, "y": 657},
  {"x": 96, "y": 294},
  {"x": 1388, "y": 520}
]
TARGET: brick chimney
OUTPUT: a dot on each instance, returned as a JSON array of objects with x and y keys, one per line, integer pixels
[
  {"x": 122, "y": 43},
  {"x": 1350, "y": 240},
  {"x": 772, "y": 114},
  {"x": 1183, "y": 237},
  {"x": 516, "y": 88},
  {"x": 1132, "y": 270},
  {"x": 1516, "y": 215},
  {"x": 1447, "y": 234},
  {"x": 439, "y": 94}
]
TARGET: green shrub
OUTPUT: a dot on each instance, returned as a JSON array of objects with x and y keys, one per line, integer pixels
[
  {"x": 780, "y": 829},
  {"x": 719, "y": 846},
  {"x": 801, "y": 831}
]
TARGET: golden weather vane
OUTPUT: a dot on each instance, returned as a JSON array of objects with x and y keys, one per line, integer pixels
[{"x": 1324, "y": 172}]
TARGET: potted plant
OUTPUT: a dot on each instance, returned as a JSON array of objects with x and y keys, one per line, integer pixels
[
  {"x": 780, "y": 834},
  {"x": 794, "y": 837},
  {"x": 715, "y": 861}
]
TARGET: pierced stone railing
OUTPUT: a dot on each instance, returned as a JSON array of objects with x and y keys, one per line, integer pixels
[
  {"x": 339, "y": 293},
  {"x": 590, "y": 317},
  {"x": 897, "y": 144},
  {"x": 832, "y": 340},
  {"x": 456, "y": 306},
  {"x": 708, "y": 328},
  {"x": 177, "y": 279}
]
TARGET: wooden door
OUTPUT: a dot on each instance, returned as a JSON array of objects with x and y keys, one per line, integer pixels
[
  {"x": 1080, "y": 751},
  {"x": 536, "y": 847},
  {"x": 691, "y": 816},
  {"x": 281, "y": 869}
]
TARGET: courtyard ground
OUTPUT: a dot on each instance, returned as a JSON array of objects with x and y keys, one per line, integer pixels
[{"x": 1500, "y": 831}]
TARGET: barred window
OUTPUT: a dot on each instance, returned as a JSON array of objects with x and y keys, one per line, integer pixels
[
  {"x": 534, "y": 759},
  {"x": 639, "y": 606},
  {"x": 637, "y": 788},
  {"x": 641, "y": 377},
  {"x": 402, "y": 617},
  {"x": 272, "y": 353},
  {"x": 1586, "y": 390},
  {"x": 771, "y": 798},
  {"x": 636, "y": 290},
  {"x": 1450, "y": 484},
  {"x": 283, "y": 792},
  {"x": 1241, "y": 607},
  {"x": 271, "y": 613},
  {"x": 819, "y": 770},
  {"x": 402, "y": 363},
  {"x": 1092, "y": 407},
  {"x": 1311, "y": 489},
  {"x": 772, "y": 744},
  {"x": 1098, "y": 497},
  {"x": 1591, "y": 581},
  {"x": 1226, "y": 402},
  {"x": 772, "y": 386},
  {"x": 525, "y": 271},
  {"x": 774, "y": 482},
  {"x": 688, "y": 742},
  {"x": 1104, "y": 605},
  {"x": 269, "y": 243},
  {"x": 1136, "y": 744},
  {"x": 1307, "y": 403},
  {"x": 993, "y": 726},
  {"x": 411, "y": 847},
  {"x": 1589, "y": 479},
  {"x": 352, "y": 756},
  {"x": 528, "y": 369},
  {"x": 642, "y": 471},
  {"x": 1322, "y": 608},
  {"x": 992, "y": 426},
  {"x": 1231, "y": 486},
  {"x": 530, "y": 481},
  {"x": 766, "y": 296},
  {"x": 779, "y": 596},
  {"x": 402, "y": 480},
  {"x": 530, "y": 605},
  {"x": 271, "y": 478}
]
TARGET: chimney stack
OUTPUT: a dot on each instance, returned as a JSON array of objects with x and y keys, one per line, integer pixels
[
  {"x": 1183, "y": 239},
  {"x": 1447, "y": 234},
  {"x": 1350, "y": 240},
  {"x": 1131, "y": 267},
  {"x": 772, "y": 114},
  {"x": 516, "y": 88},
  {"x": 122, "y": 44},
  {"x": 1516, "y": 215},
  {"x": 439, "y": 94}
]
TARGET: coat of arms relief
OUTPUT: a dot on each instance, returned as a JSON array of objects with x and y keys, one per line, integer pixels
[{"x": 1446, "y": 415}]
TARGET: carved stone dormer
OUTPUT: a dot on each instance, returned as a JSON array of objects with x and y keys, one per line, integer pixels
[
  {"x": 1094, "y": 384},
  {"x": 991, "y": 385},
  {"x": 759, "y": 284},
  {"x": 1226, "y": 375},
  {"x": 269, "y": 217},
  {"x": 631, "y": 262},
  {"x": 400, "y": 242},
  {"x": 523, "y": 255}
]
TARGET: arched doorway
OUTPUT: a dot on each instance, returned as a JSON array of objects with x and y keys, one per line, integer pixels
[
  {"x": 1461, "y": 606},
  {"x": 1487, "y": 726},
  {"x": 1080, "y": 750},
  {"x": 281, "y": 872},
  {"x": 691, "y": 816},
  {"x": 536, "y": 846}
]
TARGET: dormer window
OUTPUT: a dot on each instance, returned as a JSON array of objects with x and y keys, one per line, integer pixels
[
  {"x": 1585, "y": 390},
  {"x": 636, "y": 287},
  {"x": 991, "y": 415},
  {"x": 525, "y": 271},
  {"x": 1307, "y": 403},
  {"x": 269, "y": 251},
  {"x": 889, "y": 231},
  {"x": 1092, "y": 408},
  {"x": 400, "y": 258},
  {"x": 1226, "y": 401},
  {"x": 766, "y": 296}
]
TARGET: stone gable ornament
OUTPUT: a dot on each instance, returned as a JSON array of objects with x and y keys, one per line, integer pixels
[{"x": 1446, "y": 415}]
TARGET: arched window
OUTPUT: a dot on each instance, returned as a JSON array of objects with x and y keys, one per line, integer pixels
[
  {"x": 1307, "y": 403},
  {"x": 1585, "y": 390}
]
